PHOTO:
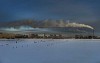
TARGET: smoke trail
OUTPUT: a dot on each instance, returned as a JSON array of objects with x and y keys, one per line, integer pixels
[
  {"x": 46, "y": 24},
  {"x": 63, "y": 23},
  {"x": 78, "y": 25}
]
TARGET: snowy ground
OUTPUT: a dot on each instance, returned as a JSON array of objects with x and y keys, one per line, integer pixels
[{"x": 49, "y": 51}]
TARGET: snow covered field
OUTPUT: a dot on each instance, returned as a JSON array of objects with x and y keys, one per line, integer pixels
[{"x": 49, "y": 51}]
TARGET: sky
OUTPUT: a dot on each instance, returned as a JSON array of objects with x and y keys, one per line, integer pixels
[
  {"x": 77, "y": 10},
  {"x": 74, "y": 10}
]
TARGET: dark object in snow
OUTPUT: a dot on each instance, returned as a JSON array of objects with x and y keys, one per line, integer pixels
[
  {"x": 7, "y": 44},
  {"x": 16, "y": 41},
  {"x": 35, "y": 42}
]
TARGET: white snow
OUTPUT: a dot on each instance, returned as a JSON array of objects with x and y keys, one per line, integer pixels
[{"x": 49, "y": 51}]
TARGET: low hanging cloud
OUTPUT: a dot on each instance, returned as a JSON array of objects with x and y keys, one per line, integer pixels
[
  {"x": 25, "y": 28},
  {"x": 21, "y": 28}
]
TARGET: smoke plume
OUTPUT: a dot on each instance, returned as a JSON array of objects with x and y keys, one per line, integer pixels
[
  {"x": 62, "y": 23},
  {"x": 78, "y": 25}
]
